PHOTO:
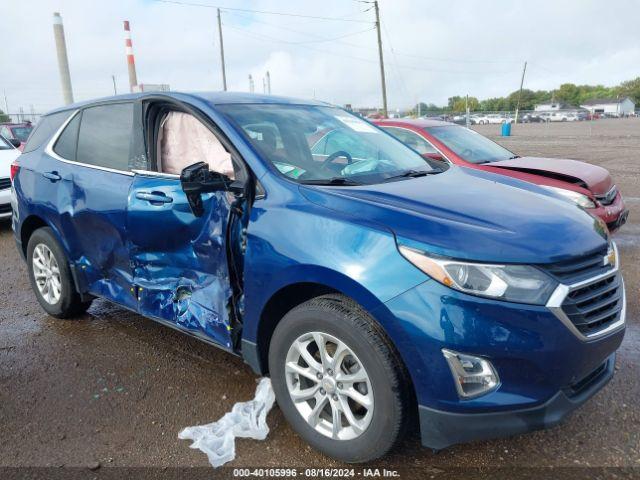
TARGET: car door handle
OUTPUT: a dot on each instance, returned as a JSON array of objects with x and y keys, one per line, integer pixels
[
  {"x": 154, "y": 198},
  {"x": 53, "y": 176}
]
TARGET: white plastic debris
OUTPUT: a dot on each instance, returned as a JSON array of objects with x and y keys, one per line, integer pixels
[{"x": 245, "y": 420}]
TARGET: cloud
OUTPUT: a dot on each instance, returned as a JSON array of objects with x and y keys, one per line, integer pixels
[{"x": 433, "y": 49}]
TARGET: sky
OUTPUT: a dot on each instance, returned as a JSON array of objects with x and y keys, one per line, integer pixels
[{"x": 433, "y": 49}]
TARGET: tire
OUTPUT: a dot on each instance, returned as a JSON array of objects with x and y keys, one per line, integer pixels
[
  {"x": 67, "y": 302},
  {"x": 337, "y": 318}
]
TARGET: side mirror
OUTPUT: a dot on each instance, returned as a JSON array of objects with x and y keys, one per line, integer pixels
[
  {"x": 197, "y": 179},
  {"x": 433, "y": 156},
  {"x": 15, "y": 142}
]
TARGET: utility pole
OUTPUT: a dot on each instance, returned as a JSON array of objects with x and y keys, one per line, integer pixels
[
  {"x": 224, "y": 73},
  {"x": 384, "y": 83},
  {"x": 251, "y": 85},
  {"x": 6, "y": 104},
  {"x": 63, "y": 60},
  {"x": 520, "y": 92},
  {"x": 466, "y": 109},
  {"x": 113, "y": 79}
]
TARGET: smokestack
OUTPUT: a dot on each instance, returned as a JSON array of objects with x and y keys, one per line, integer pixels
[
  {"x": 268, "y": 83},
  {"x": 63, "y": 61},
  {"x": 131, "y": 64},
  {"x": 251, "y": 87}
]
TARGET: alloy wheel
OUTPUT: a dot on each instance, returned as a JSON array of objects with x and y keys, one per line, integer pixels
[
  {"x": 329, "y": 386},
  {"x": 46, "y": 273}
]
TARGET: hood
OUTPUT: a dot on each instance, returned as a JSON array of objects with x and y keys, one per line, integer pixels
[
  {"x": 594, "y": 178},
  {"x": 470, "y": 214}
]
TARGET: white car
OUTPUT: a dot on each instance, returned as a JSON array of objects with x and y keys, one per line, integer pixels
[
  {"x": 496, "y": 118},
  {"x": 8, "y": 153},
  {"x": 478, "y": 119},
  {"x": 563, "y": 117}
]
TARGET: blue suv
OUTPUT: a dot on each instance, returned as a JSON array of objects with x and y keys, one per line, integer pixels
[{"x": 378, "y": 290}]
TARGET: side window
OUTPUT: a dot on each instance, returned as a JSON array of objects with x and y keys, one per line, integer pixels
[
  {"x": 411, "y": 139},
  {"x": 68, "y": 140},
  {"x": 105, "y": 136},
  {"x": 47, "y": 126},
  {"x": 184, "y": 140}
]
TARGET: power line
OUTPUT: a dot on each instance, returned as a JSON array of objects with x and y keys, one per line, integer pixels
[
  {"x": 401, "y": 82},
  {"x": 264, "y": 12},
  {"x": 422, "y": 57},
  {"x": 260, "y": 36}
]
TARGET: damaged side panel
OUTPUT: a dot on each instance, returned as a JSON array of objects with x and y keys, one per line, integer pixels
[
  {"x": 179, "y": 261},
  {"x": 94, "y": 214}
]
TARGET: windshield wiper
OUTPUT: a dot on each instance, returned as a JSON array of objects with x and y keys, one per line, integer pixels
[
  {"x": 331, "y": 181},
  {"x": 514, "y": 157},
  {"x": 413, "y": 174}
]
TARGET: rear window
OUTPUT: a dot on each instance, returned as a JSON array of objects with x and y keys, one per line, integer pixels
[
  {"x": 46, "y": 127},
  {"x": 105, "y": 136},
  {"x": 22, "y": 133}
]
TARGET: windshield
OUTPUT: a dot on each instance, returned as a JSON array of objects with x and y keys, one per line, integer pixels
[
  {"x": 317, "y": 144},
  {"x": 21, "y": 133},
  {"x": 469, "y": 145}
]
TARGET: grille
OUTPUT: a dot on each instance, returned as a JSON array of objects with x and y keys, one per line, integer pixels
[
  {"x": 5, "y": 183},
  {"x": 595, "y": 306},
  {"x": 609, "y": 197},
  {"x": 5, "y": 208},
  {"x": 577, "y": 270}
]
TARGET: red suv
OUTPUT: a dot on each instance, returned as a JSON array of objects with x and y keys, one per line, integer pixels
[
  {"x": 589, "y": 186},
  {"x": 16, "y": 131}
]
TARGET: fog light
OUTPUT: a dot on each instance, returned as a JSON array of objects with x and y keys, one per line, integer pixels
[{"x": 473, "y": 376}]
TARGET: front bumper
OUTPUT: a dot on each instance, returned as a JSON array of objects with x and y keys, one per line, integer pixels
[
  {"x": 536, "y": 355},
  {"x": 5, "y": 203},
  {"x": 440, "y": 429}
]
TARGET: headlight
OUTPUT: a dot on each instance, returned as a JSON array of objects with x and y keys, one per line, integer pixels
[
  {"x": 577, "y": 198},
  {"x": 512, "y": 283}
]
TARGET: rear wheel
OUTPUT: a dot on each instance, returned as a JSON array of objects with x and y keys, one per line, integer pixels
[
  {"x": 50, "y": 276},
  {"x": 338, "y": 379}
]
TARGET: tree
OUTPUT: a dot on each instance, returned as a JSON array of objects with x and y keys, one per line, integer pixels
[
  {"x": 566, "y": 93},
  {"x": 569, "y": 93},
  {"x": 453, "y": 100},
  {"x": 425, "y": 108},
  {"x": 460, "y": 104},
  {"x": 631, "y": 89},
  {"x": 4, "y": 117},
  {"x": 527, "y": 100}
]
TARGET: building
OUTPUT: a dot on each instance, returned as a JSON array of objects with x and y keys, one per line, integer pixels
[
  {"x": 552, "y": 107},
  {"x": 614, "y": 106}
]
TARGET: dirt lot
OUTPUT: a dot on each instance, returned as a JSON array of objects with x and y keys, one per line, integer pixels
[{"x": 114, "y": 388}]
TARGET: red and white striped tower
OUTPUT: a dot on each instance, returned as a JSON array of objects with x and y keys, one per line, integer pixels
[{"x": 131, "y": 64}]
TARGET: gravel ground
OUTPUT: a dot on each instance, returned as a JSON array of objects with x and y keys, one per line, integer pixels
[{"x": 114, "y": 389}]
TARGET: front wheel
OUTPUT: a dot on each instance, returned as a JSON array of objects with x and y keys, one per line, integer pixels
[{"x": 338, "y": 380}]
